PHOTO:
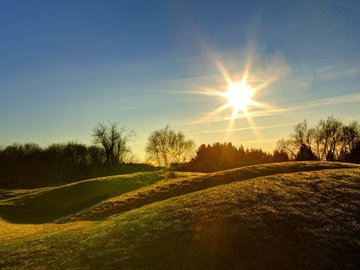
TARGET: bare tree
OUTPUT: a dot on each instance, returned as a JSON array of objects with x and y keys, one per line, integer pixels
[
  {"x": 330, "y": 139},
  {"x": 300, "y": 139},
  {"x": 113, "y": 140},
  {"x": 165, "y": 146},
  {"x": 328, "y": 136},
  {"x": 350, "y": 138},
  {"x": 302, "y": 135},
  {"x": 287, "y": 146}
]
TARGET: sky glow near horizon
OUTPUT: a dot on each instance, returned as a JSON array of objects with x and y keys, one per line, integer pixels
[{"x": 68, "y": 65}]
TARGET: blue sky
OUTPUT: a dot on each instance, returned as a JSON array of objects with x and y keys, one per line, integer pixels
[{"x": 67, "y": 65}]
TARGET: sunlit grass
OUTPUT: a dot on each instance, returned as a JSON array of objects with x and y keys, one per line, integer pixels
[
  {"x": 12, "y": 231},
  {"x": 191, "y": 182},
  {"x": 300, "y": 220}
]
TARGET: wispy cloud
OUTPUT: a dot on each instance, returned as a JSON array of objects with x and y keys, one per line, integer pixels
[
  {"x": 213, "y": 118},
  {"x": 331, "y": 101},
  {"x": 242, "y": 129},
  {"x": 261, "y": 140},
  {"x": 345, "y": 99},
  {"x": 338, "y": 72}
]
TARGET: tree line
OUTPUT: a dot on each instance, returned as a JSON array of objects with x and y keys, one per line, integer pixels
[
  {"x": 329, "y": 139},
  {"x": 222, "y": 156},
  {"x": 29, "y": 165}
]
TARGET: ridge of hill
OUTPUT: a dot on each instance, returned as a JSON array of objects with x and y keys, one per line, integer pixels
[
  {"x": 48, "y": 204},
  {"x": 181, "y": 185},
  {"x": 299, "y": 220}
]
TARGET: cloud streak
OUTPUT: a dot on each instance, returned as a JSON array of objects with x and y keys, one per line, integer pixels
[
  {"x": 345, "y": 99},
  {"x": 242, "y": 129},
  {"x": 332, "y": 101},
  {"x": 338, "y": 72}
]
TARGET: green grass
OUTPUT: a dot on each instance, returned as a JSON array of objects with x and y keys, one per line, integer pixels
[
  {"x": 193, "y": 182},
  {"x": 259, "y": 217},
  {"x": 48, "y": 204}
]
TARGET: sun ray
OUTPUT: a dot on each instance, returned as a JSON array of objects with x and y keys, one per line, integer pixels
[
  {"x": 239, "y": 94},
  {"x": 224, "y": 72},
  {"x": 220, "y": 109},
  {"x": 214, "y": 112},
  {"x": 265, "y": 84},
  {"x": 252, "y": 126}
]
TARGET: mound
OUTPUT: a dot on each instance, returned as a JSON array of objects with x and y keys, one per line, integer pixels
[
  {"x": 303, "y": 220},
  {"x": 48, "y": 204},
  {"x": 183, "y": 185}
]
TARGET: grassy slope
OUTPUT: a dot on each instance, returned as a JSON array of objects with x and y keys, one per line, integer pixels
[
  {"x": 48, "y": 204},
  {"x": 183, "y": 185},
  {"x": 304, "y": 220}
]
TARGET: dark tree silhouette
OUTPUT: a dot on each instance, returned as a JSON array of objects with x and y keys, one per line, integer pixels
[
  {"x": 328, "y": 137},
  {"x": 221, "y": 156},
  {"x": 29, "y": 165},
  {"x": 113, "y": 140},
  {"x": 329, "y": 140},
  {"x": 280, "y": 156},
  {"x": 354, "y": 155},
  {"x": 305, "y": 153}
]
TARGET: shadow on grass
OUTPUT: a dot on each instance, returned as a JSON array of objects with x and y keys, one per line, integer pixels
[
  {"x": 37, "y": 215},
  {"x": 49, "y": 205}
]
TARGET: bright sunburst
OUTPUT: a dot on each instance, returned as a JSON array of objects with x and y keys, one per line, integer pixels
[
  {"x": 239, "y": 96},
  {"x": 240, "y": 92}
]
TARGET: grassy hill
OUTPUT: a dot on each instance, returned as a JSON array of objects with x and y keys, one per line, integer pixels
[
  {"x": 302, "y": 215},
  {"x": 48, "y": 204}
]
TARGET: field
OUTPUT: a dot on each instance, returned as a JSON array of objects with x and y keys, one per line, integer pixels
[{"x": 294, "y": 215}]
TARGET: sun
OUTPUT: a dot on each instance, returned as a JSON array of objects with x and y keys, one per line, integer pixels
[
  {"x": 239, "y": 96},
  {"x": 240, "y": 91}
]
